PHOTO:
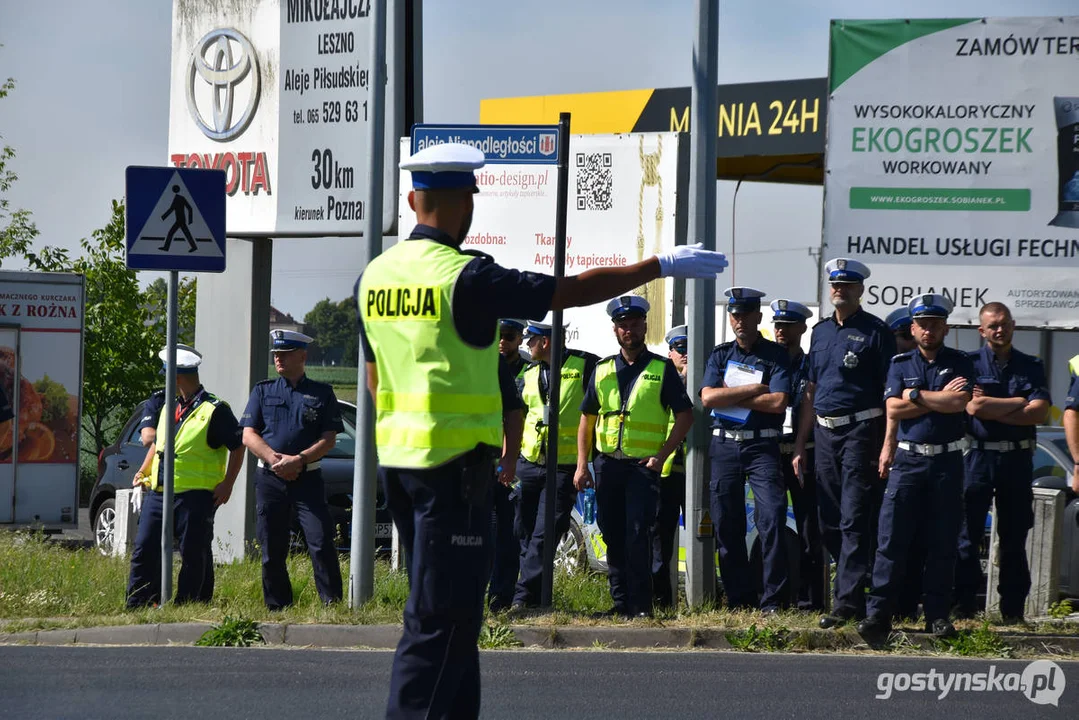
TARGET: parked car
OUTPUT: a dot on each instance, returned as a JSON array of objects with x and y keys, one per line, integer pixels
[
  {"x": 582, "y": 547},
  {"x": 118, "y": 463}
]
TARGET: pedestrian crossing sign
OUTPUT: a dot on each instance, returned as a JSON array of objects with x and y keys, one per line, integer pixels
[{"x": 175, "y": 219}]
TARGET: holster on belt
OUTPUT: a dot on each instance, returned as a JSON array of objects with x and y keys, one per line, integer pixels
[{"x": 477, "y": 473}]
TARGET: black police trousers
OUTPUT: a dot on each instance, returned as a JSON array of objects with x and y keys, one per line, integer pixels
[
  {"x": 274, "y": 500},
  {"x": 194, "y": 526},
  {"x": 530, "y": 523}
]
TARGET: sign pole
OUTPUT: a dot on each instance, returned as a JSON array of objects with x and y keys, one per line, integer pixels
[
  {"x": 362, "y": 547},
  {"x": 701, "y": 296},
  {"x": 554, "y": 375},
  {"x": 170, "y": 439}
]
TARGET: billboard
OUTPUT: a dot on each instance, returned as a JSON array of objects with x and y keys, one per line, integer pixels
[
  {"x": 275, "y": 93},
  {"x": 952, "y": 163},
  {"x": 622, "y": 208}
]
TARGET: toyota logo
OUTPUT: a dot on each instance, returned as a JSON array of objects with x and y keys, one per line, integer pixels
[{"x": 214, "y": 62}]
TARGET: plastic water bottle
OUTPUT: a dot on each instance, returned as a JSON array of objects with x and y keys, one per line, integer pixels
[{"x": 588, "y": 510}]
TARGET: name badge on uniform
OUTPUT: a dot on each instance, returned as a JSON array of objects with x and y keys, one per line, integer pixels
[{"x": 850, "y": 360}]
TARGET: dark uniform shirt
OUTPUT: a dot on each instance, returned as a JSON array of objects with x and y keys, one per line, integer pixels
[
  {"x": 151, "y": 410},
  {"x": 507, "y": 387},
  {"x": 291, "y": 419},
  {"x": 849, "y": 363},
  {"x": 6, "y": 413},
  {"x": 1022, "y": 376},
  {"x": 912, "y": 370},
  {"x": 672, "y": 393},
  {"x": 484, "y": 293},
  {"x": 223, "y": 428},
  {"x": 1072, "y": 401},
  {"x": 799, "y": 372},
  {"x": 764, "y": 355}
]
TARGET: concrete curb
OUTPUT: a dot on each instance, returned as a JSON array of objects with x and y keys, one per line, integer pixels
[{"x": 385, "y": 637}]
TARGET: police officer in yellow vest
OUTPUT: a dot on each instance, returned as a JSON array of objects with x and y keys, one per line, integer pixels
[
  {"x": 1071, "y": 420},
  {"x": 428, "y": 322},
  {"x": 208, "y": 455},
  {"x": 534, "y": 382},
  {"x": 626, "y": 409}
]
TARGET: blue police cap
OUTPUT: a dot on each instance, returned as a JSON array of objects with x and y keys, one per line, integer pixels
[
  {"x": 287, "y": 340},
  {"x": 743, "y": 299},
  {"x": 188, "y": 359},
  {"x": 677, "y": 334},
  {"x": 512, "y": 324},
  {"x": 898, "y": 318},
  {"x": 930, "y": 305},
  {"x": 537, "y": 329},
  {"x": 788, "y": 311},
  {"x": 846, "y": 270},
  {"x": 627, "y": 306},
  {"x": 445, "y": 167}
]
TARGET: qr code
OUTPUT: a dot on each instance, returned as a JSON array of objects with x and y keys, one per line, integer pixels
[{"x": 594, "y": 181}]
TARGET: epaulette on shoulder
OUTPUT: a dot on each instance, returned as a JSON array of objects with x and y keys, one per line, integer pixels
[
  {"x": 904, "y": 355},
  {"x": 478, "y": 254}
]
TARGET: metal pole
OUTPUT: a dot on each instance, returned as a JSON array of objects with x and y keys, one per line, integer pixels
[
  {"x": 362, "y": 548},
  {"x": 734, "y": 237},
  {"x": 701, "y": 295},
  {"x": 170, "y": 439},
  {"x": 554, "y": 376}
]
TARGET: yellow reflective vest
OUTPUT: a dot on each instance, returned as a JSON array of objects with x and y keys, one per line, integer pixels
[
  {"x": 1073, "y": 366},
  {"x": 636, "y": 425},
  {"x": 195, "y": 465},
  {"x": 571, "y": 393},
  {"x": 438, "y": 397}
]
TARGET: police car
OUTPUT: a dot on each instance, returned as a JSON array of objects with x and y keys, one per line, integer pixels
[{"x": 118, "y": 462}]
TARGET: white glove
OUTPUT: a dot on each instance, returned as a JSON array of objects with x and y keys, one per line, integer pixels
[
  {"x": 136, "y": 499},
  {"x": 691, "y": 261}
]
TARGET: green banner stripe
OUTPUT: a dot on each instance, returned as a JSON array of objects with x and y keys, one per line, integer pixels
[
  {"x": 856, "y": 43},
  {"x": 966, "y": 200}
]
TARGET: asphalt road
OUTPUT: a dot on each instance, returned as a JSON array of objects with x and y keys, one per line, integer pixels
[{"x": 188, "y": 682}]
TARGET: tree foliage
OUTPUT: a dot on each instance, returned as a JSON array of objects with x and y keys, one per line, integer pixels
[
  {"x": 17, "y": 230},
  {"x": 333, "y": 326}
]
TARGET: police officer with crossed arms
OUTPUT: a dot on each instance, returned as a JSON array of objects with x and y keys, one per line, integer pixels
[{"x": 927, "y": 393}]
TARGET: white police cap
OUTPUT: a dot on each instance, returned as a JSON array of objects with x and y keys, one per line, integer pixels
[
  {"x": 536, "y": 328},
  {"x": 188, "y": 358},
  {"x": 743, "y": 299},
  {"x": 677, "y": 334},
  {"x": 898, "y": 318},
  {"x": 287, "y": 340},
  {"x": 789, "y": 311},
  {"x": 626, "y": 306},
  {"x": 846, "y": 270},
  {"x": 930, "y": 305},
  {"x": 445, "y": 166}
]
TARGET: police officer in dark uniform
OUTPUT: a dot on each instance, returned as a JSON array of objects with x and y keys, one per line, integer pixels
[
  {"x": 746, "y": 385},
  {"x": 429, "y": 317},
  {"x": 151, "y": 409},
  {"x": 843, "y": 409},
  {"x": 289, "y": 424},
  {"x": 510, "y": 337},
  {"x": 1071, "y": 422},
  {"x": 789, "y": 323},
  {"x": 626, "y": 409},
  {"x": 506, "y": 556},
  {"x": 1011, "y": 397},
  {"x": 533, "y": 382},
  {"x": 207, "y": 458},
  {"x": 672, "y": 491},
  {"x": 927, "y": 392},
  {"x": 910, "y": 592}
]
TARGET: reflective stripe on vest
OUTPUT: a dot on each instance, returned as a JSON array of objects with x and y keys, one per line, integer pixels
[
  {"x": 438, "y": 397},
  {"x": 636, "y": 425},
  {"x": 195, "y": 465},
  {"x": 676, "y": 461},
  {"x": 571, "y": 394}
]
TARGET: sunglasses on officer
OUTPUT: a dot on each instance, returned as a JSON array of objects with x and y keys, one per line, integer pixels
[{"x": 680, "y": 348}]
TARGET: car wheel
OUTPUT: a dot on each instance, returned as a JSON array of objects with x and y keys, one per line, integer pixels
[
  {"x": 105, "y": 527},
  {"x": 571, "y": 554}
]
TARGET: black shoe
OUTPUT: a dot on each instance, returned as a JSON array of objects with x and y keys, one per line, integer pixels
[
  {"x": 615, "y": 612},
  {"x": 839, "y": 617},
  {"x": 769, "y": 611},
  {"x": 940, "y": 628},
  {"x": 1012, "y": 620},
  {"x": 963, "y": 611},
  {"x": 874, "y": 629}
]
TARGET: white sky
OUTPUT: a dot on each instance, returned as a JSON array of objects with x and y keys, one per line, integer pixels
[{"x": 92, "y": 97}]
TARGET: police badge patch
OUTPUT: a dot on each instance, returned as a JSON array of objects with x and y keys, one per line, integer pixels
[{"x": 850, "y": 360}]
